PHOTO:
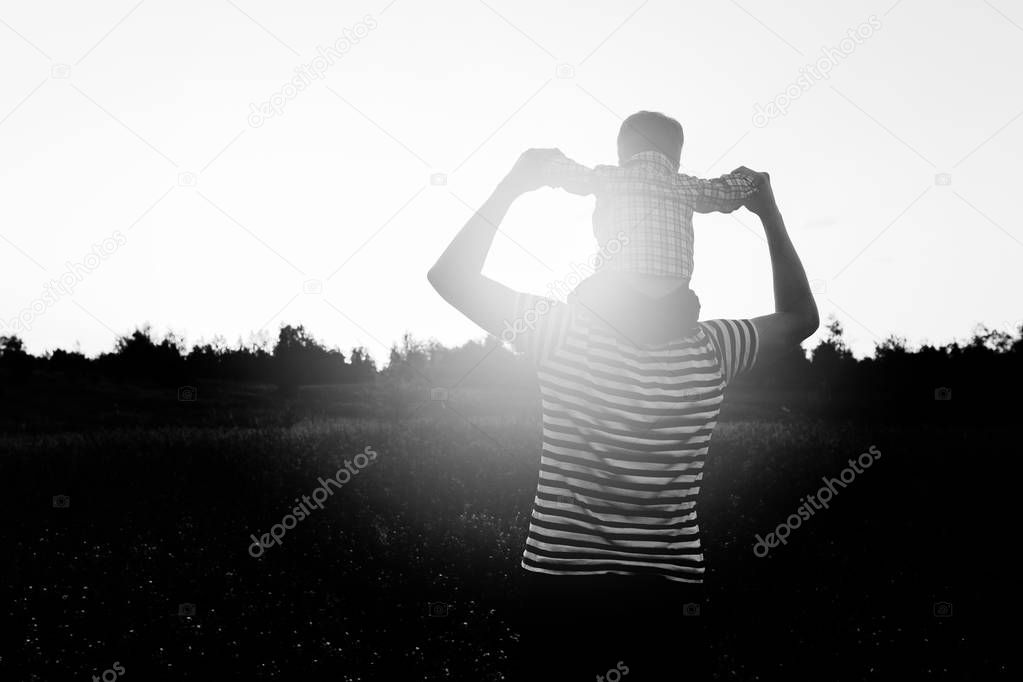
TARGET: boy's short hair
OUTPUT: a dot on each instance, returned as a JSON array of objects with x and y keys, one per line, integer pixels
[{"x": 650, "y": 131}]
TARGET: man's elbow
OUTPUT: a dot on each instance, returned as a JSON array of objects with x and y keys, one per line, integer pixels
[
  {"x": 441, "y": 280},
  {"x": 801, "y": 323},
  {"x": 811, "y": 321},
  {"x": 435, "y": 276}
]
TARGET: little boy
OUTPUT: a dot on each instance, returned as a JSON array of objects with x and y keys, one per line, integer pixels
[{"x": 646, "y": 198}]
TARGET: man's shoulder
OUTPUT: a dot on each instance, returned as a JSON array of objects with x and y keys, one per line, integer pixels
[
  {"x": 736, "y": 343},
  {"x": 727, "y": 329}
]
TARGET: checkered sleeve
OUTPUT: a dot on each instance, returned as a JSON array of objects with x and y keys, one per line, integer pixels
[
  {"x": 720, "y": 195},
  {"x": 573, "y": 177}
]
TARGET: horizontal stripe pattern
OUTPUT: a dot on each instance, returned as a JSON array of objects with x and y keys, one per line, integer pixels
[{"x": 626, "y": 430}]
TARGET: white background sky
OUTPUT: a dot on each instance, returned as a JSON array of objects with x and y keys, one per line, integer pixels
[{"x": 337, "y": 188}]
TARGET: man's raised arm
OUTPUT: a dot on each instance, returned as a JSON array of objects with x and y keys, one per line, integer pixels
[
  {"x": 457, "y": 274},
  {"x": 795, "y": 314}
]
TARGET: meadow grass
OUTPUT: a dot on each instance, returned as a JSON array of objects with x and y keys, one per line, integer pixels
[{"x": 161, "y": 514}]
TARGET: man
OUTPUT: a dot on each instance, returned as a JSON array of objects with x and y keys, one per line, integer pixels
[{"x": 631, "y": 387}]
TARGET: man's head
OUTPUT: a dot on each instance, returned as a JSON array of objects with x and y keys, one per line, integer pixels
[{"x": 650, "y": 131}]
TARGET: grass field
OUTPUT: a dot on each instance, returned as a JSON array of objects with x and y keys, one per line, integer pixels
[{"x": 162, "y": 498}]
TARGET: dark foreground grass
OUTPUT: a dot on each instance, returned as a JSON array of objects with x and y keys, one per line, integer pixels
[{"x": 409, "y": 572}]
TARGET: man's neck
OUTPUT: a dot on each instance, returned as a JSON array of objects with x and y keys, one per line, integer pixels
[{"x": 642, "y": 309}]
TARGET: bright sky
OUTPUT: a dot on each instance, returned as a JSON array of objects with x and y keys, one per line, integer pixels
[{"x": 131, "y": 122}]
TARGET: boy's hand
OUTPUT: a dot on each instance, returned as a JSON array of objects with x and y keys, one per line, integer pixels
[
  {"x": 762, "y": 202},
  {"x": 527, "y": 173}
]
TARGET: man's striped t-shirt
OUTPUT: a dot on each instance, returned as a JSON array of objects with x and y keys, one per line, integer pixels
[{"x": 626, "y": 428}]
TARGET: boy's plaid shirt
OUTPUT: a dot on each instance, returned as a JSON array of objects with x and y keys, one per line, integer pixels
[{"x": 648, "y": 200}]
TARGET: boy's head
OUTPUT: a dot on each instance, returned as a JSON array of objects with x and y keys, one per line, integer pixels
[{"x": 650, "y": 131}]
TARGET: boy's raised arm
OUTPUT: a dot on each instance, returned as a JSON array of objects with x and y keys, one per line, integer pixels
[
  {"x": 561, "y": 171},
  {"x": 724, "y": 194}
]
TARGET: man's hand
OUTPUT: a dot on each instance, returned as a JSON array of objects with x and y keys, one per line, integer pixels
[
  {"x": 458, "y": 273},
  {"x": 527, "y": 173},
  {"x": 762, "y": 202}
]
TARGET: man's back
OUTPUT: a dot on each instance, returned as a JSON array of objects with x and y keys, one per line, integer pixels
[{"x": 626, "y": 428}]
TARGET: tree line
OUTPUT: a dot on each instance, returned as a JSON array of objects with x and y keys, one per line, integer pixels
[{"x": 984, "y": 368}]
